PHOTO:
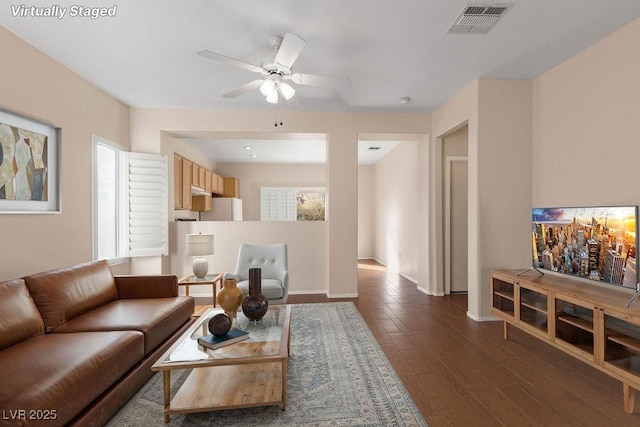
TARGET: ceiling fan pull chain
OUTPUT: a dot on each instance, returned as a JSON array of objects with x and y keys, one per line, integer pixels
[{"x": 276, "y": 114}]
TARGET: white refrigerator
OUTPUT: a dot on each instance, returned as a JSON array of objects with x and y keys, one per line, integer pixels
[{"x": 224, "y": 209}]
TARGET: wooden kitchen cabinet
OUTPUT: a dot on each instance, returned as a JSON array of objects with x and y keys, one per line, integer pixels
[
  {"x": 186, "y": 183},
  {"x": 177, "y": 182},
  {"x": 208, "y": 181},
  {"x": 195, "y": 175},
  {"x": 217, "y": 186},
  {"x": 231, "y": 187},
  {"x": 182, "y": 170}
]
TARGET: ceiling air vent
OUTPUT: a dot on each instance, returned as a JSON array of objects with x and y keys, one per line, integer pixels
[{"x": 478, "y": 18}]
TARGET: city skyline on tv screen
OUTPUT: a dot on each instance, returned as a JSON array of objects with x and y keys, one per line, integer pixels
[{"x": 596, "y": 243}]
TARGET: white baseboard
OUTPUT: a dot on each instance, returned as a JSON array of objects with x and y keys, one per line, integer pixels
[
  {"x": 427, "y": 292},
  {"x": 482, "y": 318},
  {"x": 312, "y": 292},
  {"x": 342, "y": 295}
]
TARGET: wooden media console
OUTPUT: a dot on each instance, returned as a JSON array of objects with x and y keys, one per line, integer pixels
[{"x": 590, "y": 322}]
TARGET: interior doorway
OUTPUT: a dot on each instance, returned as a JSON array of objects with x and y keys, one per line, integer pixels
[
  {"x": 455, "y": 210},
  {"x": 456, "y": 214}
]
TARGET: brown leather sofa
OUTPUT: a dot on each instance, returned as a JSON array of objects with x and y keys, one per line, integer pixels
[{"x": 77, "y": 343}]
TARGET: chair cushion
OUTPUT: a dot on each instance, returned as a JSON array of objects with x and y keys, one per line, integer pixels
[
  {"x": 271, "y": 259},
  {"x": 65, "y": 372},
  {"x": 63, "y": 294},
  {"x": 271, "y": 288},
  {"x": 156, "y": 318},
  {"x": 19, "y": 317}
]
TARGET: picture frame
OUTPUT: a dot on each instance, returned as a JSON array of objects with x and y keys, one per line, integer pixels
[{"x": 29, "y": 166}]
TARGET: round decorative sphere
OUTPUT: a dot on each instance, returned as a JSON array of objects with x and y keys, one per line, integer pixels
[
  {"x": 255, "y": 307},
  {"x": 219, "y": 324}
]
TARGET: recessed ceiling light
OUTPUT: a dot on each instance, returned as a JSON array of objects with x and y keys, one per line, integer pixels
[
  {"x": 254, "y": 155},
  {"x": 247, "y": 147}
]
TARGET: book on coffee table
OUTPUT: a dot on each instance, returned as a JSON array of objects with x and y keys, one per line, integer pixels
[{"x": 213, "y": 342}]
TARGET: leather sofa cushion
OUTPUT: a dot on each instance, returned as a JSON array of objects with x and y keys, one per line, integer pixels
[
  {"x": 65, "y": 372},
  {"x": 271, "y": 288},
  {"x": 156, "y": 286},
  {"x": 63, "y": 294},
  {"x": 156, "y": 318},
  {"x": 19, "y": 317}
]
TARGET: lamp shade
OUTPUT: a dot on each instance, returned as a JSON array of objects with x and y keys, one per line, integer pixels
[
  {"x": 286, "y": 91},
  {"x": 267, "y": 87},
  {"x": 272, "y": 98},
  {"x": 199, "y": 244}
]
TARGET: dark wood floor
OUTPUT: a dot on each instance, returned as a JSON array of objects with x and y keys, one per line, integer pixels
[{"x": 463, "y": 373}]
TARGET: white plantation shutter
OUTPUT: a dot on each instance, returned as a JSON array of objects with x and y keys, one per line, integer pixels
[
  {"x": 144, "y": 205},
  {"x": 277, "y": 204}
]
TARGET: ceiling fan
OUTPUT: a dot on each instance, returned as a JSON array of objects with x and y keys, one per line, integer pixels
[{"x": 273, "y": 83}]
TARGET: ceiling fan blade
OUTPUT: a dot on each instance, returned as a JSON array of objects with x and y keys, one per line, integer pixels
[
  {"x": 243, "y": 89},
  {"x": 241, "y": 64},
  {"x": 289, "y": 50},
  {"x": 324, "y": 81}
]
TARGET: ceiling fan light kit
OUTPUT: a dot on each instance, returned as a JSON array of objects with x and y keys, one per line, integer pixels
[
  {"x": 274, "y": 75},
  {"x": 286, "y": 90},
  {"x": 272, "y": 98},
  {"x": 267, "y": 87}
]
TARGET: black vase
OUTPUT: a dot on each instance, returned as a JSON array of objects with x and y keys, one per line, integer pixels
[{"x": 255, "y": 305}]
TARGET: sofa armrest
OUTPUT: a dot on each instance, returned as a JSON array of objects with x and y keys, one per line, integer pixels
[{"x": 153, "y": 286}]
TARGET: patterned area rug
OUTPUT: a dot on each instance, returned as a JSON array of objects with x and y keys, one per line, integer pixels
[{"x": 337, "y": 376}]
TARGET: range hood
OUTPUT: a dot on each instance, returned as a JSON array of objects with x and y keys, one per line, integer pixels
[{"x": 198, "y": 191}]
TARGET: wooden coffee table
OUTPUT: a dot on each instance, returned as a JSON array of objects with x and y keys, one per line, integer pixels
[{"x": 241, "y": 375}]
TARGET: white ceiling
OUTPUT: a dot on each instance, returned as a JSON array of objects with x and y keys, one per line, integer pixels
[
  {"x": 297, "y": 149},
  {"x": 146, "y": 54}
]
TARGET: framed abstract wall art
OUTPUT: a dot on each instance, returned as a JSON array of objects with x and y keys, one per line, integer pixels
[{"x": 29, "y": 165}]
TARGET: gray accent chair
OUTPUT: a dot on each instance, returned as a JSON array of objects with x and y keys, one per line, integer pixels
[{"x": 272, "y": 260}]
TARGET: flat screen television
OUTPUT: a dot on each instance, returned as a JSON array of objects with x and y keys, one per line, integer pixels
[{"x": 597, "y": 243}]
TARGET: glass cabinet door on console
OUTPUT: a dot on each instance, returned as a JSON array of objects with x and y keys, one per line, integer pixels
[
  {"x": 622, "y": 343},
  {"x": 533, "y": 310},
  {"x": 503, "y": 298},
  {"x": 574, "y": 327}
]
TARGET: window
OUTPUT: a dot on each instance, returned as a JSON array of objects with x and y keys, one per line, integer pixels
[
  {"x": 310, "y": 205},
  {"x": 130, "y": 203},
  {"x": 106, "y": 206},
  {"x": 292, "y": 204}
]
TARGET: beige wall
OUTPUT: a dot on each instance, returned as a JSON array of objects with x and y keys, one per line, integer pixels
[
  {"x": 366, "y": 211},
  {"x": 455, "y": 143},
  {"x": 586, "y": 144},
  {"x": 253, "y": 176},
  {"x": 34, "y": 85},
  {"x": 504, "y": 182},
  {"x": 306, "y": 247},
  {"x": 396, "y": 210},
  {"x": 499, "y": 117},
  {"x": 342, "y": 129}
]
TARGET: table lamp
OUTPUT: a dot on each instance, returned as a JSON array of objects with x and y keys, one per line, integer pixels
[{"x": 199, "y": 245}]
